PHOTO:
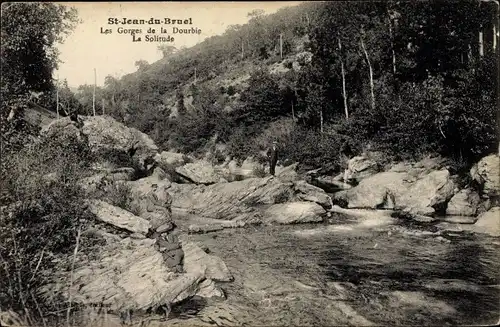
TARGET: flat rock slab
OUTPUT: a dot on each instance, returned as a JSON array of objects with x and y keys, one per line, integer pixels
[
  {"x": 366, "y": 217},
  {"x": 460, "y": 219},
  {"x": 118, "y": 217},
  {"x": 294, "y": 212},
  {"x": 196, "y": 260}
]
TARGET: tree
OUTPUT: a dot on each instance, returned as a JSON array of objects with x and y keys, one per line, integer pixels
[
  {"x": 181, "y": 108},
  {"x": 29, "y": 32},
  {"x": 167, "y": 50},
  {"x": 256, "y": 14},
  {"x": 141, "y": 64},
  {"x": 263, "y": 98}
]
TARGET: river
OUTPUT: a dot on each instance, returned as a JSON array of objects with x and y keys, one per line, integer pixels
[{"x": 344, "y": 274}]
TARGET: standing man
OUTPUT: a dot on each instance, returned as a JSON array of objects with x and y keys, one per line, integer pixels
[{"x": 272, "y": 154}]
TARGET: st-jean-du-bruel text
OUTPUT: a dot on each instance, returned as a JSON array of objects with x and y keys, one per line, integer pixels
[{"x": 150, "y": 21}]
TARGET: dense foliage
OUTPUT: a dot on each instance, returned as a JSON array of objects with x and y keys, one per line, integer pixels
[
  {"x": 29, "y": 32},
  {"x": 407, "y": 77},
  {"x": 41, "y": 204}
]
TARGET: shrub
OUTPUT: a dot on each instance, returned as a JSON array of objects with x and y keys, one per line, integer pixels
[
  {"x": 288, "y": 64},
  {"x": 117, "y": 194}
]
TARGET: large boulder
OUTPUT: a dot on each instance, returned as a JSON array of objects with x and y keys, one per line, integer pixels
[
  {"x": 488, "y": 222},
  {"x": 199, "y": 172},
  {"x": 377, "y": 191},
  {"x": 487, "y": 173},
  {"x": 288, "y": 173},
  {"x": 464, "y": 203},
  {"x": 106, "y": 134},
  {"x": 308, "y": 192},
  {"x": 118, "y": 217},
  {"x": 294, "y": 212},
  {"x": 170, "y": 159},
  {"x": 359, "y": 168},
  {"x": 428, "y": 193},
  {"x": 63, "y": 128},
  {"x": 402, "y": 191}
]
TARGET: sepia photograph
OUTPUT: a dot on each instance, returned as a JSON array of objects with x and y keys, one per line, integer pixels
[{"x": 281, "y": 163}]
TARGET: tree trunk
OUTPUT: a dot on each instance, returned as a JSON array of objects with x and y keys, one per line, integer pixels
[
  {"x": 281, "y": 46},
  {"x": 293, "y": 112},
  {"x": 371, "y": 74},
  {"x": 494, "y": 37},
  {"x": 392, "y": 47},
  {"x": 321, "y": 120},
  {"x": 481, "y": 45},
  {"x": 242, "y": 50},
  {"x": 344, "y": 95}
]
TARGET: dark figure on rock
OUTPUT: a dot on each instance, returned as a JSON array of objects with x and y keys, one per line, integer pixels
[{"x": 272, "y": 154}]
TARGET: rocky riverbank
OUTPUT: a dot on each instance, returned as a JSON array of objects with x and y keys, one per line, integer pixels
[{"x": 145, "y": 258}]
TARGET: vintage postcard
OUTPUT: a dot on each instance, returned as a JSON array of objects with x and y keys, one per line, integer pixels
[{"x": 281, "y": 163}]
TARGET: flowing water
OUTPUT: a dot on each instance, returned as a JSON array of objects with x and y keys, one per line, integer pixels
[{"x": 344, "y": 274}]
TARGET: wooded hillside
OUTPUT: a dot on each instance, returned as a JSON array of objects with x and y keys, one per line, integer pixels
[{"x": 403, "y": 77}]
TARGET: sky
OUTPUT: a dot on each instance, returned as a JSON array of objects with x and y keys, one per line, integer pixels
[{"x": 115, "y": 54}]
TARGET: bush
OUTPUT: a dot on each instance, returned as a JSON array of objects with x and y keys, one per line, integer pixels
[
  {"x": 117, "y": 194},
  {"x": 313, "y": 149}
]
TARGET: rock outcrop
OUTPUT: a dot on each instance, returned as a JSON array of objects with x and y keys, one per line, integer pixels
[
  {"x": 197, "y": 261},
  {"x": 170, "y": 158},
  {"x": 151, "y": 200},
  {"x": 464, "y": 203},
  {"x": 199, "y": 172},
  {"x": 131, "y": 274},
  {"x": 420, "y": 194},
  {"x": 106, "y": 135},
  {"x": 231, "y": 200},
  {"x": 288, "y": 173},
  {"x": 359, "y": 168},
  {"x": 488, "y": 222},
  {"x": 105, "y": 177},
  {"x": 294, "y": 212},
  {"x": 487, "y": 173}
]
